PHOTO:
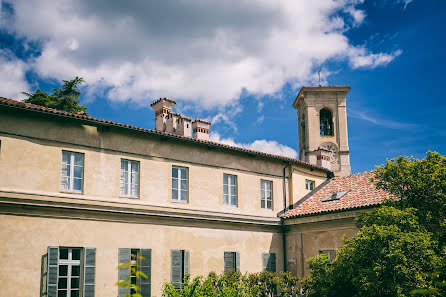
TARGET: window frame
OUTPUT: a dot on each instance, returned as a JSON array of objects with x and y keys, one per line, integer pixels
[
  {"x": 310, "y": 185},
  {"x": 230, "y": 185},
  {"x": 70, "y": 175},
  {"x": 265, "y": 190},
  {"x": 70, "y": 263},
  {"x": 128, "y": 193},
  {"x": 179, "y": 189},
  {"x": 331, "y": 254}
]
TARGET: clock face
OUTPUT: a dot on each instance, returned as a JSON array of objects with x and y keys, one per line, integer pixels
[{"x": 333, "y": 151}]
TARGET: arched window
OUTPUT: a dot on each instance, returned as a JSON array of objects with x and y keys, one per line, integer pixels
[{"x": 326, "y": 123}]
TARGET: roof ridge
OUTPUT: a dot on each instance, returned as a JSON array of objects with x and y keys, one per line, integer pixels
[{"x": 33, "y": 107}]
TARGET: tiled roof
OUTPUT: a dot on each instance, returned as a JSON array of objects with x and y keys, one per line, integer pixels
[
  {"x": 84, "y": 117},
  {"x": 165, "y": 98},
  {"x": 201, "y": 121},
  {"x": 361, "y": 193}
]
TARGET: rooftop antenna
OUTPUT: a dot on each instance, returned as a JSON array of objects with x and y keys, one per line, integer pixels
[{"x": 319, "y": 74}]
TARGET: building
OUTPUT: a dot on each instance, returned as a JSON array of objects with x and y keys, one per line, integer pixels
[{"x": 78, "y": 195}]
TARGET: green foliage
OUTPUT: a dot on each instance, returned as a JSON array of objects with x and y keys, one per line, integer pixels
[
  {"x": 127, "y": 283},
  {"x": 65, "y": 98},
  {"x": 235, "y": 284},
  {"x": 419, "y": 184},
  {"x": 392, "y": 255}
]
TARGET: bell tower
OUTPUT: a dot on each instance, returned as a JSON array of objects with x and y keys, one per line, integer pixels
[{"x": 322, "y": 120}]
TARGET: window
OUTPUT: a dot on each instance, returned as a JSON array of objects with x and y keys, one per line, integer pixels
[
  {"x": 331, "y": 254},
  {"x": 68, "y": 272},
  {"x": 179, "y": 184},
  {"x": 232, "y": 261},
  {"x": 140, "y": 260},
  {"x": 180, "y": 266},
  {"x": 72, "y": 171},
  {"x": 269, "y": 262},
  {"x": 266, "y": 194},
  {"x": 230, "y": 189},
  {"x": 335, "y": 196},
  {"x": 326, "y": 122},
  {"x": 129, "y": 178},
  {"x": 309, "y": 185}
]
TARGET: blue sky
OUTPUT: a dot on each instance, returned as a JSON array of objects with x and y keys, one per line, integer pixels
[{"x": 240, "y": 64}]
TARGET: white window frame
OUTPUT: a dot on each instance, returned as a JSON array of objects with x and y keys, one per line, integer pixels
[
  {"x": 130, "y": 182},
  {"x": 264, "y": 191},
  {"x": 70, "y": 263},
  {"x": 227, "y": 197},
  {"x": 310, "y": 185},
  {"x": 182, "y": 194},
  {"x": 70, "y": 175}
]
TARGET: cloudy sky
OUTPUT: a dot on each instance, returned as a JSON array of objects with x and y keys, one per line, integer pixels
[{"x": 240, "y": 64}]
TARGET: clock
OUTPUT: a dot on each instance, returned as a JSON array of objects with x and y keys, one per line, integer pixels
[{"x": 333, "y": 149}]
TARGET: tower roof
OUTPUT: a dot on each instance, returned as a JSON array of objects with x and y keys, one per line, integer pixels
[{"x": 319, "y": 89}]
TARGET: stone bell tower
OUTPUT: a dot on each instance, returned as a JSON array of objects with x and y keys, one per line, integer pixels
[{"x": 322, "y": 118}]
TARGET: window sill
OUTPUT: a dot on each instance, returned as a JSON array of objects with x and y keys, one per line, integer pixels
[
  {"x": 180, "y": 201},
  {"x": 71, "y": 192},
  {"x": 129, "y": 197}
]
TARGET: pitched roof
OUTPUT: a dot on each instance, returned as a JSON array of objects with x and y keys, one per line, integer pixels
[
  {"x": 86, "y": 118},
  {"x": 361, "y": 192}
]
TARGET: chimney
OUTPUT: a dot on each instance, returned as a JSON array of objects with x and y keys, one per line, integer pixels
[
  {"x": 171, "y": 122},
  {"x": 201, "y": 129},
  {"x": 184, "y": 126},
  {"x": 323, "y": 158},
  {"x": 162, "y": 107}
]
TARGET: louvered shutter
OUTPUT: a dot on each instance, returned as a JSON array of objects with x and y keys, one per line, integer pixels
[
  {"x": 146, "y": 268},
  {"x": 176, "y": 268},
  {"x": 51, "y": 280},
  {"x": 265, "y": 260},
  {"x": 237, "y": 261},
  {"x": 229, "y": 261},
  {"x": 186, "y": 262},
  {"x": 123, "y": 273},
  {"x": 89, "y": 271},
  {"x": 272, "y": 262},
  {"x": 43, "y": 274}
]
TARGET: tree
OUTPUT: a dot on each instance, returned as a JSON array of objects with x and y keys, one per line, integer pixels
[
  {"x": 392, "y": 255},
  {"x": 65, "y": 98},
  {"x": 419, "y": 184}
]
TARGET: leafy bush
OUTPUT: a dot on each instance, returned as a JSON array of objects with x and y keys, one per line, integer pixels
[{"x": 235, "y": 284}]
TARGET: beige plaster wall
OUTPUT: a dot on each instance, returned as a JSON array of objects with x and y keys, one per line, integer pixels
[
  {"x": 298, "y": 178},
  {"x": 305, "y": 240},
  {"x": 31, "y": 162},
  {"x": 25, "y": 240}
]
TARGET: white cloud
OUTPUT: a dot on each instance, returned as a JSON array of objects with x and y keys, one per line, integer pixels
[
  {"x": 262, "y": 145},
  {"x": 206, "y": 52},
  {"x": 12, "y": 76},
  {"x": 361, "y": 58},
  {"x": 366, "y": 116}
]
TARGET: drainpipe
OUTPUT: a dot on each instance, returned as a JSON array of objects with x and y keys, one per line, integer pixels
[{"x": 282, "y": 222}]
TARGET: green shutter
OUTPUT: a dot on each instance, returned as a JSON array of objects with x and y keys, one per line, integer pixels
[
  {"x": 43, "y": 274},
  {"x": 176, "y": 268},
  {"x": 89, "y": 271},
  {"x": 237, "y": 261},
  {"x": 51, "y": 280},
  {"x": 146, "y": 266},
  {"x": 186, "y": 262},
  {"x": 269, "y": 262},
  {"x": 123, "y": 273},
  {"x": 272, "y": 262},
  {"x": 265, "y": 260},
  {"x": 229, "y": 261}
]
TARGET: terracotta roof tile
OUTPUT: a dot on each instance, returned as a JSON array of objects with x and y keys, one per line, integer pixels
[
  {"x": 361, "y": 192},
  {"x": 96, "y": 121}
]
